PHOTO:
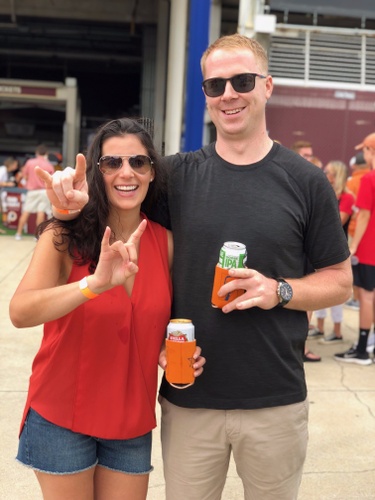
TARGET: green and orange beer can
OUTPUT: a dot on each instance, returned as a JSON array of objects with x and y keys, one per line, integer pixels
[{"x": 232, "y": 254}]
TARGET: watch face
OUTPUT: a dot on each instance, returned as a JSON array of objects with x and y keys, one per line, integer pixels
[{"x": 286, "y": 292}]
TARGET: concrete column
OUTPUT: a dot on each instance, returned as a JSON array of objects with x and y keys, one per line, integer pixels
[
  {"x": 253, "y": 23},
  {"x": 161, "y": 74},
  {"x": 209, "y": 132},
  {"x": 176, "y": 75},
  {"x": 72, "y": 122}
]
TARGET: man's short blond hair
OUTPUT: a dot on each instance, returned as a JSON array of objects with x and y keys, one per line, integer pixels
[
  {"x": 299, "y": 145},
  {"x": 236, "y": 42}
]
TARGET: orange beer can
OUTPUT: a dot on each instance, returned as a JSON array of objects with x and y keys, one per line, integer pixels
[
  {"x": 232, "y": 254},
  {"x": 180, "y": 347}
]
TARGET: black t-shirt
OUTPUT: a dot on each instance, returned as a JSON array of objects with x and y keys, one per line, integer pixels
[{"x": 285, "y": 211}]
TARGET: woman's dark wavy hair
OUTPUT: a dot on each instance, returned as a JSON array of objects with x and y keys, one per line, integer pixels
[{"x": 82, "y": 236}]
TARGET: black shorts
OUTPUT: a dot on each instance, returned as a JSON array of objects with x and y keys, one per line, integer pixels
[{"x": 364, "y": 276}]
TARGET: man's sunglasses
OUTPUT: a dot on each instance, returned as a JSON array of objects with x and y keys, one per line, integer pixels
[
  {"x": 141, "y": 164},
  {"x": 213, "y": 87}
]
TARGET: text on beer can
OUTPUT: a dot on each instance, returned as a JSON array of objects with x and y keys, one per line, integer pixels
[
  {"x": 180, "y": 330},
  {"x": 232, "y": 254}
]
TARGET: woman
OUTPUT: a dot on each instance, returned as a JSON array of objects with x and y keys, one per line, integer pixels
[
  {"x": 101, "y": 284},
  {"x": 337, "y": 174}
]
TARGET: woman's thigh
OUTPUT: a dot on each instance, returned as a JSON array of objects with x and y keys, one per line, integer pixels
[
  {"x": 49, "y": 448},
  {"x": 69, "y": 464},
  {"x": 78, "y": 486},
  {"x": 118, "y": 485},
  {"x": 97, "y": 483}
]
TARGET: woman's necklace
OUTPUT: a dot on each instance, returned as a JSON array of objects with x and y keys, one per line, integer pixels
[{"x": 123, "y": 233}]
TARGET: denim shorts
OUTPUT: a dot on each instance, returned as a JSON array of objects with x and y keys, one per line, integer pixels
[{"x": 52, "y": 449}]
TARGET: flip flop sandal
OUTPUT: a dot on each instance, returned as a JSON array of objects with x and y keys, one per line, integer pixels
[{"x": 311, "y": 357}]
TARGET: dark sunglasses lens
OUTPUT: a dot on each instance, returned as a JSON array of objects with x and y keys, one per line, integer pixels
[
  {"x": 243, "y": 83},
  {"x": 110, "y": 163},
  {"x": 139, "y": 162},
  {"x": 214, "y": 87}
]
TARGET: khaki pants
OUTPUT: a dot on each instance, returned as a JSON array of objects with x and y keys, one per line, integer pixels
[{"x": 268, "y": 446}]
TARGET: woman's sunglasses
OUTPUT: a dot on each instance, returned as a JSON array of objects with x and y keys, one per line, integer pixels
[
  {"x": 141, "y": 164},
  {"x": 213, "y": 87}
]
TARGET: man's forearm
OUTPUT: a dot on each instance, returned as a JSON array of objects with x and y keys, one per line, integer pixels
[{"x": 325, "y": 288}]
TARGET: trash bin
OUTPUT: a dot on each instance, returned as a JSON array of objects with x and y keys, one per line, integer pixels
[{"x": 12, "y": 199}]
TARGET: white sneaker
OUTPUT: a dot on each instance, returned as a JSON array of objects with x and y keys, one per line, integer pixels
[
  {"x": 17, "y": 237},
  {"x": 353, "y": 356},
  {"x": 315, "y": 333},
  {"x": 352, "y": 304},
  {"x": 331, "y": 339},
  {"x": 371, "y": 338}
]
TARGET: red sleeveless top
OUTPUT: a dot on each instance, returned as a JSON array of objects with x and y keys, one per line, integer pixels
[{"x": 96, "y": 370}]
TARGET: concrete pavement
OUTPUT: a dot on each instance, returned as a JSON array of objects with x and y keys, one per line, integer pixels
[{"x": 341, "y": 455}]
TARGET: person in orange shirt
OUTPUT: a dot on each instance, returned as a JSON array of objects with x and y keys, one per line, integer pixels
[{"x": 360, "y": 168}]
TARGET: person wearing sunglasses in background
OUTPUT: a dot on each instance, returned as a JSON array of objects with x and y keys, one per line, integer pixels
[
  {"x": 251, "y": 400},
  {"x": 101, "y": 286}
]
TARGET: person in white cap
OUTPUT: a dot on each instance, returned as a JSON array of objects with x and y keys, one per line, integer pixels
[{"x": 363, "y": 247}]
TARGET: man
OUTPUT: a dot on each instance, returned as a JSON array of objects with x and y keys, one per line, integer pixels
[
  {"x": 304, "y": 149},
  {"x": 362, "y": 246},
  {"x": 36, "y": 201},
  {"x": 251, "y": 399},
  {"x": 359, "y": 169}
]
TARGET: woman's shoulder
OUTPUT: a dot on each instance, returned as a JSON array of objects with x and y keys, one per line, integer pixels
[
  {"x": 49, "y": 256},
  {"x": 347, "y": 196},
  {"x": 52, "y": 234}
]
